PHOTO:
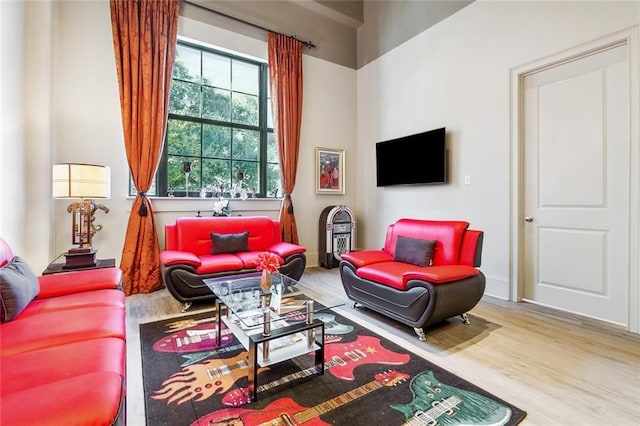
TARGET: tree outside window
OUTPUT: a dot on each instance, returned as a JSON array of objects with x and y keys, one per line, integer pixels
[{"x": 220, "y": 140}]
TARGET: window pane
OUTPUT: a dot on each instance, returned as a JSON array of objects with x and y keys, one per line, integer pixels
[
  {"x": 216, "y": 141},
  {"x": 272, "y": 148},
  {"x": 152, "y": 190},
  {"x": 216, "y": 70},
  {"x": 245, "y": 109},
  {"x": 269, "y": 114},
  {"x": 245, "y": 176},
  {"x": 184, "y": 98},
  {"x": 217, "y": 174},
  {"x": 216, "y": 104},
  {"x": 183, "y": 137},
  {"x": 274, "y": 185},
  {"x": 177, "y": 177},
  {"x": 246, "y": 78},
  {"x": 246, "y": 145},
  {"x": 187, "y": 64}
]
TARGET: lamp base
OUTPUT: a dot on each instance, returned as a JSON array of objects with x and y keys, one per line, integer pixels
[{"x": 80, "y": 258}]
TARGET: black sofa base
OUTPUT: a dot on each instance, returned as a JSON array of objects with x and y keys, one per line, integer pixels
[{"x": 421, "y": 305}]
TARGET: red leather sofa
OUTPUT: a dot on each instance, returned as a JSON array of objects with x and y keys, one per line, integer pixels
[
  {"x": 62, "y": 353},
  {"x": 204, "y": 247},
  {"x": 406, "y": 282}
]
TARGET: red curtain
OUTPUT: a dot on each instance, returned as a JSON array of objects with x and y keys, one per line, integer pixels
[
  {"x": 144, "y": 40},
  {"x": 285, "y": 76}
]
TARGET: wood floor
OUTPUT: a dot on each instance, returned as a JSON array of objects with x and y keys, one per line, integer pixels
[{"x": 560, "y": 368}]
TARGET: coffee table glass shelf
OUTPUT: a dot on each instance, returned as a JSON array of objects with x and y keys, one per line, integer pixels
[{"x": 274, "y": 325}]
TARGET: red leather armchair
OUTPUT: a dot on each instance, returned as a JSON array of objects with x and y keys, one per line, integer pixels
[{"x": 418, "y": 294}]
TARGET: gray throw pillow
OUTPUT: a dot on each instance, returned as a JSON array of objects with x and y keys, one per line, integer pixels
[
  {"x": 230, "y": 243},
  {"x": 414, "y": 251},
  {"x": 18, "y": 287}
]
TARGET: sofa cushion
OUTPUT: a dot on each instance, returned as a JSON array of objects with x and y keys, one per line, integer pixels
[
  {"x": 250, "y": 259},
  {"x": 18, "y": 287},
  {"x": 48, "y": 365},
  {"x": 229, "y": 243},
  {"x": 212, "y": 263},
  {"x": 387, "y": 273},
  {"x": 87, "y": 399},
  {"x": 414, "y": 251},
  {"x": 71, "y": 325}
]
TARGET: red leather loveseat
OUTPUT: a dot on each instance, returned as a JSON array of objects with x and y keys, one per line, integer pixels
[
  {"x": 204, "y": 247},
  {"x": 426, "y": 272},
  {"x": 62, "y": 346}
]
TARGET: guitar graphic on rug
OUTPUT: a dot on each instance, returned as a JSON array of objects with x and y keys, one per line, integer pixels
[
  {"x": 201, "y": 356},
  {"x": 435, "y": 403},
  {"x": 331, "y": 326},
  {"x": 340, "y": 360},
  {"x": 199, "y": 381},
  {"x": 286, "y": 412},
  {"x": 197, "y": 338}
]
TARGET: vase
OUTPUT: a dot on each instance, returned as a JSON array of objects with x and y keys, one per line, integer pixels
[{"x": 265, "y": 281}]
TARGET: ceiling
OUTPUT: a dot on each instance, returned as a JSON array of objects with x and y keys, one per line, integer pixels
[{"x": 347, "y": 32}]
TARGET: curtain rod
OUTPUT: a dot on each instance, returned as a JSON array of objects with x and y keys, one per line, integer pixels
[{"x": 307, "y": 44}]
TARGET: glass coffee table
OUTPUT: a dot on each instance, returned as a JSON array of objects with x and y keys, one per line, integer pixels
[{"x": 274, "y": 325}]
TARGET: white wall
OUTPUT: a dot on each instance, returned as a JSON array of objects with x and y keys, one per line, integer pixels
[
  {"x": 13, "y": 142},
  {"x": 457, "y": 74},
  {"x": 86, "y": 116},
  {"x": 87, "y": 126}
]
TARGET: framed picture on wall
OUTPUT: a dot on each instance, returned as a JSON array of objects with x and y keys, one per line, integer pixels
[{"x": 330, "y": 171}]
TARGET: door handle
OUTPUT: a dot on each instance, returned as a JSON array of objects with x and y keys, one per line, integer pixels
[{"x": 528, "y": 218}]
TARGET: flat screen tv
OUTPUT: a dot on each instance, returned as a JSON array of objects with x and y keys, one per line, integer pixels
[{"x": 414, "y": 159}]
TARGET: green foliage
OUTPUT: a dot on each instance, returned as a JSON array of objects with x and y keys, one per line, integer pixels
[{"x": 213, "y": 125}]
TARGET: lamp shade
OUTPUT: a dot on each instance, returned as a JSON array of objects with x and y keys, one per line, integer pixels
[{"x": 80, "y": 181}]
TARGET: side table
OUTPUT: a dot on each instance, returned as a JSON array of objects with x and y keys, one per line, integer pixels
[{"x": 56, "y": 268}]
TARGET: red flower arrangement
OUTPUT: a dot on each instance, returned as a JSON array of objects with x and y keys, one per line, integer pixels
[{"x": 267, "y": 261}]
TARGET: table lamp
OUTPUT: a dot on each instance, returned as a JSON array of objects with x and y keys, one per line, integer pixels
[{"x": 81, "y": 182}]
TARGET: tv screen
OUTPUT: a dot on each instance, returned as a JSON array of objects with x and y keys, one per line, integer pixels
[{"x": 414, "y": 159}]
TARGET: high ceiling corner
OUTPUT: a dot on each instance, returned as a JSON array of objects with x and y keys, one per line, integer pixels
[{"x": 351, "y": 33}]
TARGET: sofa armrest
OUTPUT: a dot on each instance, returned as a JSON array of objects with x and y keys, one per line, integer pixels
[
  {"x": 284, "y": 249},
  {"x": 176, "y": 257},
  {"x": 78, "y": 281},
  {"x": 366, "y": 257},
  {"x": 441, "y": 274}
]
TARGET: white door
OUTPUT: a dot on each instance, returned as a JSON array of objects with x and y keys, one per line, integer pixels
[{"x": 576, "y": 185}]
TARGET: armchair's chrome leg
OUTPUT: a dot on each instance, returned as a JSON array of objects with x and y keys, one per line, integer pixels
[
  {"x": 421, "y": 336},
  {"x": 186, "y": 306},
  {"x": 465, "y": 319}
]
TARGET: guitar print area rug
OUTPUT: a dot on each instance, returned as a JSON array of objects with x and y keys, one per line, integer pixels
[{"x": 368, "y": 380}]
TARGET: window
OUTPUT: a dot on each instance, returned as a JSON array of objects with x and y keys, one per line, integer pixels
[{"x": 219, "y": 133}]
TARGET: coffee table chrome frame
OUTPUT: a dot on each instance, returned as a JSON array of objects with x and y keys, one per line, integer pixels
[
  {"x": 256, "y": 339},
  {"x": 313, "y": 327}
]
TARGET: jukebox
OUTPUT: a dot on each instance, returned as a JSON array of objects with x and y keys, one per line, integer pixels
[{"x": 336, "y": 234}]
